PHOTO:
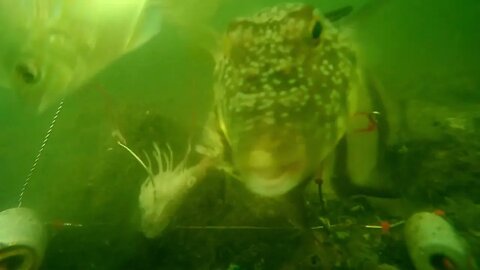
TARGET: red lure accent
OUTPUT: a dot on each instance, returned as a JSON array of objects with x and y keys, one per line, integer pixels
[
  {"x": 386, "y": 226},
  {"x": 372, "y": 123},
  {"x": 439, "y": 212}
]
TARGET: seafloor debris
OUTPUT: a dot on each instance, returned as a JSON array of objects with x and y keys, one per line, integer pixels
[{"x": 220, "y": 225}]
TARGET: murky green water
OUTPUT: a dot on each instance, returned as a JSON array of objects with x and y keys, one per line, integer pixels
[{"x": 424, "y": 52}]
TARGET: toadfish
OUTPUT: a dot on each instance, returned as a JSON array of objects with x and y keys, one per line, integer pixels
[
  {"x": 286, "y": 91},
  {"x": 286, "y": 86}
]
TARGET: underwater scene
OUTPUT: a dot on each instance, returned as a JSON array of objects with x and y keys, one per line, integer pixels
[{"x": 238, "y": 135}]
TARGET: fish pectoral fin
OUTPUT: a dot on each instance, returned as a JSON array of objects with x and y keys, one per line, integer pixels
[{"x": 360, "y": 170}]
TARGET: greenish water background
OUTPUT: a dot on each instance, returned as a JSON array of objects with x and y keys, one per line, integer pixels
[{"x": 422, "y": 50}]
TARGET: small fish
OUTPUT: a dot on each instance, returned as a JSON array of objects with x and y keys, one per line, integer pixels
[
  {"x": 162, "y": 193},
  {"x": 50, "y": 48}
]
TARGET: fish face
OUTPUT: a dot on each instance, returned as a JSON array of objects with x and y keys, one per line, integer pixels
[
  {"x": 284, "y": 84},
  {"x": 272, "y": 163},
  {"x": 47, "y": 69},
  {"x": 55, "y": 47}
]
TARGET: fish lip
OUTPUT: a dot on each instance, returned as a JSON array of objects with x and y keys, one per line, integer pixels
[
  {"x": 272, "y": 186},
  {"x": 277, "y": 174}
]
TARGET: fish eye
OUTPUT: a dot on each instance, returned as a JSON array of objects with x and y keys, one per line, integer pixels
[
  {"x": 316, "y": 30},
  {"x": 28, "y": 73}
]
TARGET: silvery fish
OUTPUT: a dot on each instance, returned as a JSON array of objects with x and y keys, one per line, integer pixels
[{"x": 49, "y": 48}]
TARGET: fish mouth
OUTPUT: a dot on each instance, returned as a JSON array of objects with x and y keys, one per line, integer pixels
[
  {"x": 274, "y": 181},
  {"x": 276, "y": 173},
  {"x": 273, "y": 164}
]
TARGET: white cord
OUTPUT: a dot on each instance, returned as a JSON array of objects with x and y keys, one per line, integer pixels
[{"x": 39, "y": 154}]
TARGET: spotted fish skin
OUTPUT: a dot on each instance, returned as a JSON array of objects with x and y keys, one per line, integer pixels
[{"x": 286, "y": 82}]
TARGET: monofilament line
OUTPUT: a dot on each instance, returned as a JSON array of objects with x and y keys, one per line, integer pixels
[{"x": 39, "y": 154}]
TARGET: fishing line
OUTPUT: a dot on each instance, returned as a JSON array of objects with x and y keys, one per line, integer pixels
[{"x": 39, "y": 154}]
